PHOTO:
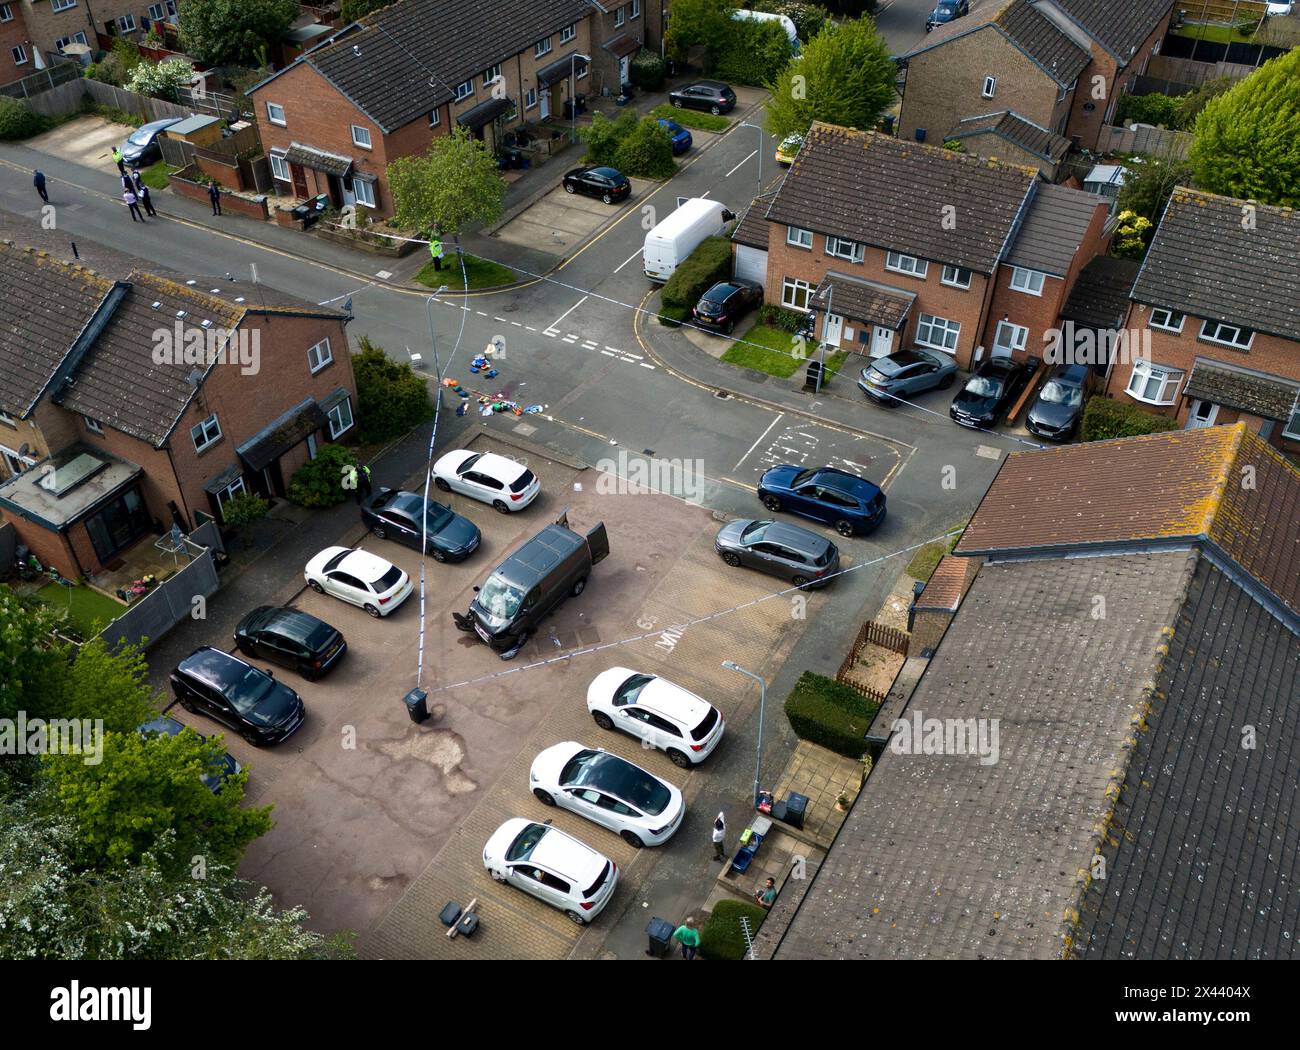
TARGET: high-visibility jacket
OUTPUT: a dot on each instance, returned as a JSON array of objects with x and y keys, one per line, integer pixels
[{"x": 435, "y": 248}]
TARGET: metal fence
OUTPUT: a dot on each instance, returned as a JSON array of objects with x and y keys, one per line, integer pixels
[
  {"x": 43, "y": 80},
  {"x": 149, "y": 618}
]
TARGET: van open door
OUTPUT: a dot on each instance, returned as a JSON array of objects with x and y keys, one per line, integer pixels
[{"x": 598, "y": 543}]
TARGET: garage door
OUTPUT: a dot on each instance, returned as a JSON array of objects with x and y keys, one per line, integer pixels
[{"x": 751, "y": 264}]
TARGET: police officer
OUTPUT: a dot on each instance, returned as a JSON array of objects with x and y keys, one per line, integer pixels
[{"x": 435, "y": 250}]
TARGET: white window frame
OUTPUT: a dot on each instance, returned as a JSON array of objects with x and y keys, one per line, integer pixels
[
  {"x": 19, "y": 50},
  {"x": 319, "y": 355},
  {"x": 636, "y": 9},
  {"x": 542, "y": 47},
  {"x": 1163, "y": 318},
  {"x": 582, "y": 71},
  {"x": 934, "y": 324},
  {"x": 907, "y": 264},
  {"x": 157, "y": 13},
  {"x": 1019, "y": 336},
  {"x": 335, "y": 415},
  {"x": 10, "y": 457},
  {"x": 790, "y": 289},
  {"x": 856, "y": 251},
  {"x": 235, "y": 488},
  {"x": 465, "y": 90},
  {"x": 364, "y": 191},
  {"x": 620, "y": 16},
  {"x": 6, "y": 13},
  {"x": 62, "y": 5},
  {"x": 435, "y": 117},
  {"x": 1168, "y": 380},
  {"x": 990, "y": 87},
  {"x": 271, "y": 108},
  {"x": 569, "y": 32},
  {"x": 278, "y": 165},
  {"x": 491, "y": 73},
  {"x": 93, "y": 425},
  {"x": 208, "y": 439},
  {"x": 1291, "y": 429},
  {"x": 7, "y": 419},
  {"x": 72, "y": 38},
  {"x": 1022, "y": 280},
  {"x": 364, "y": 142},
  {"x": 799, "y": 237},
  {"x": 126, "y": 23},
  {"x": 1218, "y": 327},
  {"x": 530, "y": 98},
  {"x": 952, "y": 277}
]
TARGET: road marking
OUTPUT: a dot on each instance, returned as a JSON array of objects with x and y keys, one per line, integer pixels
[
  {"x": 570, "y": 338},
  {"x": 627, "y": 260},
  {"x": 551, "y": 333},
  {"x": 740, "y": 165},
  {"x": 608, "y": 354},
  {"x": 501, "y": 319},
  {"x": 588, "y": 345},
  {"x": 480, "y": 313},
  {"x": 644, "y": 365},
  {"x": 383, "y": 275},
  {"x": 758, "y": 439},
  {"x": 517, "y": 324},
  {"x": 556, "y": 322},
  {"x": 530, "y": 328}
]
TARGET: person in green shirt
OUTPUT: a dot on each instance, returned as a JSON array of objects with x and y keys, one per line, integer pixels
[
  {"x": 435, "y": 250},
  {"x": 767, "y": 895},
  {"x": 688, "y": 937}
]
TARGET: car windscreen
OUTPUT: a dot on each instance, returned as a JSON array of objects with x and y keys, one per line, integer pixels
[
  {"x": 824, "y": 558},
  {"x": 615, "y": 776},
  {"x": 247, "y": 691},
  {"x": 1059, "y": 394},
  {"x": 522, "y": 482},
  {"x": 500, "y": 599},
  {"x": 983, "y": 386},
  {"x": 333, "y": 563},
  {"x": 388, "y": 580},
  {"x": 630, "y": 691},
  {"x": 437, "y": 518},
  {"x": 142, "y": 137},
  {"x": 801, "y": 477},
  {"x": 754, "y": 531},
  {"x": 526, "y": 841}
]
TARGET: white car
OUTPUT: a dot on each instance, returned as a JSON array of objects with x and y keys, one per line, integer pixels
[
  {"x": 1279, "y": 9},
  {"x": 609, "y": 791},
  {"x": 661, "y": 714},
  {"x": 359, "y": 577},
  {"x": 554, "y": 867},
  {"x": 504, "y": 483}
]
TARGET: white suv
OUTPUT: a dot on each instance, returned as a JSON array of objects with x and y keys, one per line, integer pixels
[
  {"x": 661, "y": 714},
  {"x": 554, "y": 867}
]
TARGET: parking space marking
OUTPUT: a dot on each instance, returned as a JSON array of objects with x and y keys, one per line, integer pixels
[
  {"x": 627, "y": 260},
  {"x": 556, "y": 323},
  {"x": 757, "y": 440}
]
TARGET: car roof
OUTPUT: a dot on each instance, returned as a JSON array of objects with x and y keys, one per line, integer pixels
[
  {"x": 294, "y": 623},
  {"x": 793, "y": 536},
  {"x": 363, "y": 565},
  {"x": 672, "y": 702},
  {"x": 500, "y": 467},
  {"x": 566, "y": 856},
  {"x": 609, "y": 173},
  {"x": 213, "y": 666},
  {"x": 843, "y": 481},
  {"x": 539, "y": 555},
  {"x": 1074, "y": 375},
  {"x": 718, "y": 84},
  {"x": 163, "y": 724}
]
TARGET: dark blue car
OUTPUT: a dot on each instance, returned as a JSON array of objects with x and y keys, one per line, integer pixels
[
  {"x": 681, "y": 137},
  {"x": 851, "y": 504}
]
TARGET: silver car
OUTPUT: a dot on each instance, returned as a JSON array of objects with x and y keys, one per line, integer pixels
[{"x": 773, "y": 547}]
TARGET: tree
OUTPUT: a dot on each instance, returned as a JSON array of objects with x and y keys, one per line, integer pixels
[
  {"x": 161, "y": 79},
  {"x": 750, "y": 53},
  {"x": 234, "y": 32},
  {"x": 647, "y": 152},
  {"x": 808, "y": 18},
  {"x": 354, "y": 9},
  {"x": 454, "y": 184},
  {"x": 391, "y": 398},
  {"x": 1132, "y": 234},
  {"x": 694, "y": 22},
  {"x": 319, "y": 481},
  {"x": 1245, "y": 142},
  {"x": 846, "y": 77},
  {"x": 1147, "y": 185}
]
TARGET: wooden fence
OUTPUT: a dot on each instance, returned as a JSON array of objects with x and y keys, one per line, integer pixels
[
  {"x": 1189, "y": 71},
  {"x": 66, "y": 98},
  {"x": 1143, "y": 138},
  {"x": 872, "y": 633},
  {"x": 1223, "y": 12},
  {"x": 145, "y": 107}
]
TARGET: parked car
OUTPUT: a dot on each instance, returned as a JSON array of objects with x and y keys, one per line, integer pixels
[
  {"x": 608, "y": 184},
  {"x": 141, "y": 146},
  {"x": 905, "y": 373},
  {"x": 1058, "y": 408},
  {"x": 505, "y": 483},
  {"x": 393, "y": 514},
  {"x": 712, "y": 95},
  {"x": 789, "y": 149},
  {"x": 658, "y": 713},
  {"x": 554, "y": 867},
  {"x": 673, "y": 239},
  {"x": 726, "y": 303},
  {"x": 608, "y": 790},
  {"x": 946, "y": 11},
  {"x": 681, "y": 138},
  {"x": 849, "y": 503},
  {"x": 788, "y": 551},
  {"x": 214, "y": 777},
  {"x": 1279, "y": 8},
  {"x": 360, "y": 578},
  {"x": 292, "y": 639},
  {"x": 225, "y": 688},
  {"x": 989, "y": 392}
]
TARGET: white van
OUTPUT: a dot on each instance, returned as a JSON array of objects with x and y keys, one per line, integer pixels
[
  {"x": 763, "y": 16},
  {"x": 669, "y": 243}
]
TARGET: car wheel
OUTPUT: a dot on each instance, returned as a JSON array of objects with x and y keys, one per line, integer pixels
[
  {"x": 800, "y": 581},
  {"x": 632, "y": 839},
  {"x": 603, "y": 720},
  {"x": 731, "y": 559},
  {"x": 249, "y": 736},
  {"x": 947, "y": 381},
  {"x": 679, "y": 759},
  {"x": 606, "y": 198},
  {"x": 771, "y": 503},
  {"x": 716, "y": 110},
  {"x": 315, "y": 586},
  {"x": 580, "y": 586},
  {"x": 379, "y": 533},
  {"x": 186, "y": 703},
  {"x": 438, "y": 555},
  {"x": 731, "y": 327},
  {"x": 442, "y": 484},
  {"x": 568, "y": 187},
  {"x": 372, "y": 610},
  {"x": 500, "y": 506},
  {"x": 497, "y": 876},
  {"x": 544, "y": 797},
  {"x": 574, "y": 917},
  {"x": 844, "y": 528},
  {"x": 677, "y": 103}
]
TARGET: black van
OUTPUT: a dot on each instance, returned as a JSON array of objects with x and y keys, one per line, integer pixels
[{"x": 530, "y": 583}]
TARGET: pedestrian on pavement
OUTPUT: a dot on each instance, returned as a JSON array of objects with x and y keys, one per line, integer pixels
[
  {"x": 363, "y": 484},
  {"x": 719, "y": 838},
  {"x": 128, "y": 183},
  {"x": 767, "y": 895},
  {"x": 688, "y": 937},
  {"x": 214, "y": 195},
  {"x": 119, "y": 160},
  {"x": 38, "y": 180},
  {"x": 136, "y": 179},
  {"x": 435, "y": 250},
  {"x": 146, "y": 200},
  {"x": 129, "y": 198}
]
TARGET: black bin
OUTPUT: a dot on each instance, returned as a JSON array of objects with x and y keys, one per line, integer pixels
[
  {"x": 417, "y": 705},
  {"x": 660, "y": 932},
  {"x": 796, "y": 805},
  {"x": 815, "y": 376}
]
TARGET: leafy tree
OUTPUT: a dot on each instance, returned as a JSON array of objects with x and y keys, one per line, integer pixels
[
  {"x": 1147, "y": 185},
  {"x": 647, "y": 151},
  {"x": 1191, "y": 104},
  {"x": 1245, "y": 141},
  {"x": 750, "y": 53},
  {"x": 456, "y": 183},
  {"x": 647, "y": 70},
  {"x": 234, "y": 32},
  {"x": 1163, "y": 111},
  {"x": 603, "y": 136},
  {"x": 127, "y": 52},
  {"x": 161, "y": 79},
  {"x": 391, "y": 399},
  {"x": 28, "y": 672},
  {"x": 695, "y": 22},
  {"x": 1132, "y": 234},
  {"x": 846, "y": 77},
  {"x": 354, "y": 9},
  {"x": 17, "y": 121},
  {"x": 319, "y": 482},
  {"x": 808, "y": 18}
]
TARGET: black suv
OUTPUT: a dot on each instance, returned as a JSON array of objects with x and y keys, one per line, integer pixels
[
  {"x": 726, "y": 302},
  {"x": 249, "y": 701},
  {"x": 292, "y": 639},
  {"x": 392, "y": 514},
  {"x": 609, "y": 184},
  {"x": 713, "y": 95}
]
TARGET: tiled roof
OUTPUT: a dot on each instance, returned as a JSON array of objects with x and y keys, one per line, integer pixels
[
  {"x": 1206, "y": 262},
  {"x": 860, "y": 300},
  {"x": 751, "y": 230},
  {"x": 1118, "y": 26},
  {"x": 1268, "y": 396},
  {"x": 1017, "y": 130},
  {"x": 406, "y": 59},
  {"x": 891, "y": 194},
  {"x": 1099, "y": 298},
  {"x": 947, "y": 583},
  {"x": 1054, "y": 229},
  {"x": 317, "y": 159}
]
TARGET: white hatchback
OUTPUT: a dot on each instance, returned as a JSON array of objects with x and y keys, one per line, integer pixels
[
  {"x": 608, "y": 790},
  {"x": 360, "y": 578},
  {"x": 661, "y": 714},
  {"x": 554, "y": 867},
  {"x": 504, "y": 483}
]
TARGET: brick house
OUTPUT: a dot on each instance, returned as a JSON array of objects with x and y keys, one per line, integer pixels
[
  {"x": 16, "y": 49},
  {"x": 1059, "y": 65},
  {"x": 1218, "y": 299},
  {"x": 115, "y": 420},
  {"x": 386, "y": 86},
  {"x": 891, "y": 245},
  {"x": 53, "y": 24},
  {"x": 1014, "y": 139},
  {"x": 620, "y": 30}
]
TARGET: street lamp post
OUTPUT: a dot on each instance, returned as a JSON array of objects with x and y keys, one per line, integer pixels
[
  {"x": 762, "y": 704},
  {"x": 746, "y": 124},
  {"x": 573, "y": 93}
]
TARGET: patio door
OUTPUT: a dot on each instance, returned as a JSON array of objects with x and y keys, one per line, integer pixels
[
  {"x": 882, "y": 341},
  {"x": 1203, "y": 414},
  {"x": 118, "y": 525}
]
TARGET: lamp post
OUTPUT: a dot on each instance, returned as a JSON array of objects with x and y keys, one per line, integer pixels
[
  {"x": 433, "y": 342},
  {"x": 573, "y": 93},
  {"x": 759, "y": 151},
  {"x": 762, "y": 704}
]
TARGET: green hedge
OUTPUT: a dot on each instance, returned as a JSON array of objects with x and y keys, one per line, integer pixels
[
  {"x": 391, "y": 399},
  {"x": 791, "y": 321},
  {"x": 750, "y": 53},
  {"x": 640, "y": 148},
  {"x": 17, "y": 121},
  {"x": 702, "y": 269},
  {"x": 722, "y": 936},
  {"x": 647, "y": 70},
  {"x": 1104, "y": 418},
  {"x": 829, "y": 713},
  {"x": 1160, "y": 110},
  {"x": 673, "y": 316},
  {"x": 319, "y": 482}
]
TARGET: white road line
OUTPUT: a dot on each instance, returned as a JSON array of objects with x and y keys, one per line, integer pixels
[
  {"x": 516, "y": 324},
  {"x": 644, "y": 365},
  {"x": 608, "y": 354},
  {"x": 760, "y": 438},
  {"x": 556, "y": 322},
  {"x": 551, "y": 333},
  {"x": 501, "y": 319},
  {"x": 570, "y": 338},
  {"x": 530, "y": 328},
  {"x": 741, "y": 164},
  {"x": 629, "y": 353},
  {"x": 588, "y": 345},
  {"x": 627, "y": 260}
]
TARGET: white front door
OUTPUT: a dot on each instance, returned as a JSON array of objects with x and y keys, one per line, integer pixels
[
  {"x": 834, "y": 326},
  {"x": 544, "y": 100},
  {"x": 311, "y": 446},
  {"x": 623, "y": 70},
  {"x": 882, "y": 341},
  {"x": 1203, "y": 414}
]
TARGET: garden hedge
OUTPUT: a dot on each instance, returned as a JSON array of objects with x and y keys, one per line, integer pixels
[
  {"x": 792, "y": 321},
  {"x": 1104, "y": 418},
  {"x": 830, "y": 714},
  {"x": 751, "y": 53},
  {"x": 391, "y": 399},
  {"x": 17, "y": 121},
  {"x": 703, "y": 268},
  {"x": 319, "y": 482},
  {"x": 722, "y": 936}
]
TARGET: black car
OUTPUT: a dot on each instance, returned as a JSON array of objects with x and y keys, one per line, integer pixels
[
  {"x": 141, "y": 146},
  {"x": 609, "y": 184},
  {"x": 249, "y": 701},
  {"x": 712, "y": 95},
  {"x": 989, "y": 392},
  {"x": 292, "y": 639},
  {"x": 392, "y": 514},
  {"x": 946, "y": 11},
  {"x": 222, "y": 770},
  {"x": 1057, "y": 409},
  {"x": 726, "y": 302}
]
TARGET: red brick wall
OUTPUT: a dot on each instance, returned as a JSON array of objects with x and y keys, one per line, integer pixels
[
  {"x": 1087, "y": 124},
  {"x": 12, "y": 34},
  {"x": 254, "y": 209}
]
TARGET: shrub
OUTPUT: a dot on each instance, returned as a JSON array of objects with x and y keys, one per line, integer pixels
[
  {"x": 244, "y": 509},
  {"x": 647, "y": 70},
  {"x": 829, "y": 713},
  {"x": 319, "y": 482},
  {"x": 391, "y": 398},
  {"x": 1161, "y": 110},
  {"x": 701, "y": 270},
  {"x": 604, "y": 136},
  {"x": 1132, "y": 233},
  {"x": 1104, "y": 418},
  {"x": 808, "y": 18},
  {"x": 127, "y": 53},
  {"x": 673, "y": 316},
  {"x": 792, "y": 321},
  {"x": 1191, "y": 104},
  {"x": 750, "y": 53},
  {"x": 646, "y": 152},
  {"x": 112, "y": 70},
  {"x": 17, "y": 121},
  {"x": 161, "y": 79},
  {"x": 722, "y": 936}
]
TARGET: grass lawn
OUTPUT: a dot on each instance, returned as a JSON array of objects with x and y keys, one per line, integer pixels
[
  {"x": 927, "y": 559},
  {"x": 690, "y": 118},
  {"x": 1215, "y": 34},
  {"x": 480, "y": 272},
  {"x": 89, "y": 610},
  {"x": 155, "y": 176},
  {"x": 774, "y": 354}
]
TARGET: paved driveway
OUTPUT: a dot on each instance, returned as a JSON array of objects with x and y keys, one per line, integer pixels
[
  {"x": 560, "y": 220},
  {"x": 86, "y": 140}
]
